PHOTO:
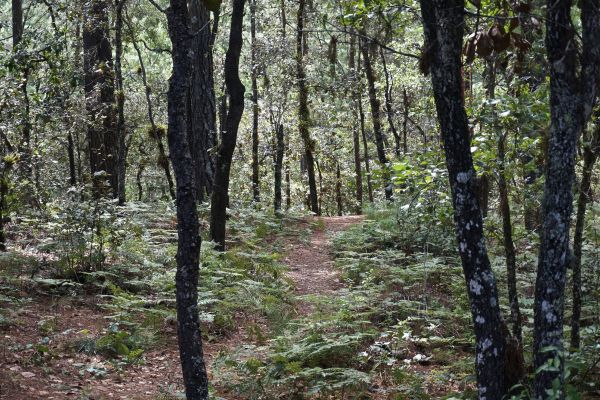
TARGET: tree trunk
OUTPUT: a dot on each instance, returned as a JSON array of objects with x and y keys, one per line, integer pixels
[
  {"x": 389, "y": 103},
  {"x": 509, "y": 246},
  {"x": 365, "y": 147},
  {"x": 188, "y": 229},
  {"x": 100, "y": 96},
  {"x": 279, "y": 153},
  {"x": 566, "y": 101},
  {"x": 303, "y": 112},
  {"x": 254, "y": 73},
  {"x": 376, "y": 117},
  {"x": 202, "y": 128},
  {"x": 338, "y": 191},
  {"x": 405, "y": 122},
  {"x": 17, "y": 22},
  {"x": 235, "y": 89},
  {"x": 590, "y": 154},
  {"x": 120, "y": 99},
  {"x": 156, "y": 133},
  {"x": 355, "y": 133},
  {"x": 443, "y": 23}
]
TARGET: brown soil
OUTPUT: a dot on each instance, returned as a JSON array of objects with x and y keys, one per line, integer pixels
[
  {"x": 65, "y": 373},
  {"x": 311, "y": 265}
]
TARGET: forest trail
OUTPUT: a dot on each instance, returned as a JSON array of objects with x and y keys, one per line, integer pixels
[
  {"x": 310, "y": 264},
  {"x": 65, "y": 374}
]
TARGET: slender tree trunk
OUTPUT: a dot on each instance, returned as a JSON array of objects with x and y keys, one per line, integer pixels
[
  {"x": 71, "y": 155},
  {"x": 156, "y": 133},
  {"x": 355, "y": 132},
  {"x": 201, "y": 101},
  {"x": 320, "y": 174},
  {"x": 389, "y": 107},
  {"x": 365, "y": 147},
  {"x": 405, "y": 122},
  {"x": 376, "y": 117},
  {"x": 279, "y": 153},
  {"x": 24, "y": 146},
  {"x": 590, "y": 59},
  {"x": 590, "y": 155},
  {"x": 443, "y": 23},
  {"x": 188, "y": 252},
  {"x": 120, "y": 99},
  {"x": 235, "y": 89},
  {"x": 509, "y": 247},
  {"x": 338, "y": 191},
  {"x": 254, "y": 74},
  {"x": 303, "y": 111},
  {"x": 100, "y": 96}
]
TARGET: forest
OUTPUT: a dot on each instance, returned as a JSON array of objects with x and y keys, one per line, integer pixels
[{"x": 299, "y": 199}]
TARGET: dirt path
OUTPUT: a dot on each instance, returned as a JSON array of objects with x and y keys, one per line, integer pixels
[
  {"x": 65, "y": 373},
  {"x": 311, "y": 264}
]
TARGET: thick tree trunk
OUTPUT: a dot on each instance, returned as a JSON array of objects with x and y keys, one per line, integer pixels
[
  {"x": 570, "y": 96},
  {"x": 254, "y": 74},
  {"x": 443, "y": 23},
  {"x": 120, "y": 99},
  {"x": 303, "y": 111},
  {"x": 100, "y": 96},
  {"x": 188, "y": 229},
  {"x": 17, "y": 22},
  {"x": 376, "y": 117},
  {"x": 202, "y": 128},
  {"x": 235, "y": 89}
]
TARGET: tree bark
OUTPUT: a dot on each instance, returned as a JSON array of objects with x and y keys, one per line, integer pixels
[
  {"x": 120, "y": 99},
  {"x": 590, "y": 155},
  {"x": 338, "y": 191},
  {"x": 235, "y": 89},
  {"x": 355, "y": 132},
  {"x": 376, "y": 117},
  {"x": 389, "y": 107},
  {"x": 100, "y": 96},
  {"x": 202, "y": 128},
  {"x": 279, "y": 153},
  {"x": 255, "y": 110},
  {"x": 188, "y": 229},
  {"x": 443, "y": 23},
  {"x": 303, "y": 111},
  {"x": 569, "y": 96}
]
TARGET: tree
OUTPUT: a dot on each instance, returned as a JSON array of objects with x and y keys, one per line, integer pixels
[
  {"x": 376, "y": 116},
  {"x": 572, "y": 97},
  {"x": 120, "y": 100},
  {"x": 100, "y": 96},
  {"x": 443, "y": 25},
  {"x": 188, "y": 229},
  {"x": 229, "y": 131},
  {"x": 202, "y": 110},
  {"x": 303, "y": 111},
  {"x": 255, "y": 110}
]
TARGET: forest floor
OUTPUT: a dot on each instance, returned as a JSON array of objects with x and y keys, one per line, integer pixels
[{"x": 41, "y": 357}]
